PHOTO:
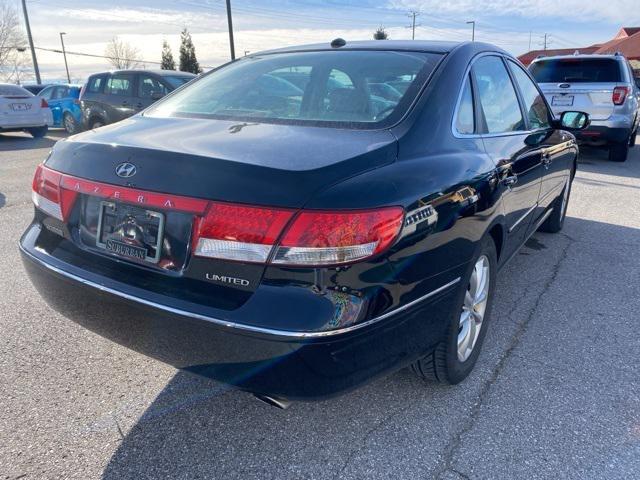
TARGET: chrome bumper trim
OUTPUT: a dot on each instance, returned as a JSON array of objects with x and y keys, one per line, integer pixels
[{"x": 233, "y": 325}]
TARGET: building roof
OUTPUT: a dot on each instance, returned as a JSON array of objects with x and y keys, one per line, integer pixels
[{"x": 626, "y": 41}]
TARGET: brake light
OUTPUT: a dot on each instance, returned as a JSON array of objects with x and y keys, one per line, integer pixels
[
  {"x": 239, "y": 232},
  {"x": 43, "y": 103},
  {"x": 48, "y": 196},
  {"x": 619, "y": 95},
  {"x": 328, "y": 238}
]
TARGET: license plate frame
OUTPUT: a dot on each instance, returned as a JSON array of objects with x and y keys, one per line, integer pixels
[
  {"x": 122, "y": 246},
  {"x": 20, "y": 107},
  {"x": 562, "y": 100}
]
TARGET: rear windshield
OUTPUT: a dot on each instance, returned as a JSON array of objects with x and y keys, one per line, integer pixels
[
  {"x": 177, "y": 80},
  {"x": 576, "y": 70},
  {"x": 14, "y": 90},
  {"x": 357, "y": 89}
]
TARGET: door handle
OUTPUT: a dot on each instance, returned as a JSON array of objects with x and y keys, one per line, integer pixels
[
  {"x": 546, "y": 160},
  {"x": 510, "y": 181},
  {"x": 139, "y": 106}
]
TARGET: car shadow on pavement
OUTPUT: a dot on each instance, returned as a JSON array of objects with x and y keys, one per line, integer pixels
[
  {"x": 20, "y": 141},
  {"x": 197, "y": 428},
  {"x": 3, "y": 200}
]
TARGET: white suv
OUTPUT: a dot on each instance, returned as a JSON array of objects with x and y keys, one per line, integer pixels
[{"x": 601, "y": 85}]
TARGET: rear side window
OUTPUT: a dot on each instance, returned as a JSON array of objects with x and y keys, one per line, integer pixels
[
  {"x": 121, "y": 85},
  {"x": 576, "y": 70},
  {"x": 535, "y": 107},
  {"x": 465, "y": 122},
  {"x": 497, "y": 96},
  {"x": 96, "y": 84},
  {"x": 150, "y": 87},
  {"x": 60, "y": 92}
]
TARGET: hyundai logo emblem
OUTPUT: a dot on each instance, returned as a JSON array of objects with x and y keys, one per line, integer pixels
[{"x": 126, "y": 170}]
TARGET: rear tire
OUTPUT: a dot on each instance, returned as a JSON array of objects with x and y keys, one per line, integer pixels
[
  {"x": 96, "y": 123},
  {"x": 69, "y": 123},
  {"x": 38, "y": 132},
  {"x": 555, "y": 222},
  {"x": 618, "y": 152},
  {"x": 452, "y": 360}
]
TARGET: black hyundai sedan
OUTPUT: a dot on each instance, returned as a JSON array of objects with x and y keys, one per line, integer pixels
[{"x": 299, "y": 240}]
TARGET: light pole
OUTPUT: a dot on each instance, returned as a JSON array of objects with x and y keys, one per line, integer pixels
[
  {"x": 230, "y": 23},
  {"x": 473, "y": 29},
  {"x": 64, "y": 54},
  {"x": 30, "y": 38}
]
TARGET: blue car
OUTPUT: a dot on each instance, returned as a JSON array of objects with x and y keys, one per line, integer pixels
[{"x": 64, "y": 103}]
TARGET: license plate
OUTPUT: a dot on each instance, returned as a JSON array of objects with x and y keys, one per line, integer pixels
[
  {"x": 562, "y": 100},
  {"x": 20, "y": 107},
  {"x": 131, "y": 232}
]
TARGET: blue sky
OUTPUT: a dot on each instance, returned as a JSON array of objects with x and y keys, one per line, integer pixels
[{"x": 267, "y": 24}]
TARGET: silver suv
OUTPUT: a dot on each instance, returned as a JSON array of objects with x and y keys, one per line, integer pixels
[{"x": 601, "y": 85}]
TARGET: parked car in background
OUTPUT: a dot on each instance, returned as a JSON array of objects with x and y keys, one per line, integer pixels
[
  {"x": 109, "y": 97},
  {"x": 601, "y": 85},
  {"x": 64, "y": 103},
  {"x": 298, "y": 241},
  {"x": 35, "y": 89},
  {"x": 20, "y": 110}
]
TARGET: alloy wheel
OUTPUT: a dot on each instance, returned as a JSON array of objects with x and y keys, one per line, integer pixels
[{"x": 473, "y": 308}]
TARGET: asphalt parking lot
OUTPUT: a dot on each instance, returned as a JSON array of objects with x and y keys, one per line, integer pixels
[{"x": 555, "y": 395}]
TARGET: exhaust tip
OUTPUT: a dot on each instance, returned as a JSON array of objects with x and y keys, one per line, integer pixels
[{"x": 280, "y": 403}]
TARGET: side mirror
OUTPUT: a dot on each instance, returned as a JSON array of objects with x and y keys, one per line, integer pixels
[
  {"x": 156, "y": 95},
  {"x": 637, "y": 80},
  {"x": 574, "y": 120}
]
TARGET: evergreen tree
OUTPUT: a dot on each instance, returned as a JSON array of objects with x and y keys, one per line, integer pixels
[
  {"x": 168, "y": 63},
  {"x": 380, "y": 34},
  {"x": 188, "y": 60}
]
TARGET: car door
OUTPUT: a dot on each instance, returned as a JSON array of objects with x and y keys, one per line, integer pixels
[
  {"x": 119, "y": 96},
  {"x": 56, "y": 104},
  {"x": 150, "y": 89},
  {"x": 557, "y": 154},
  {"x": 507, "y": 140},
  {"x": 47, "y": 94}
]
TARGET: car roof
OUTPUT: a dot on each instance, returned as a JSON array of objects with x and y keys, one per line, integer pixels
[
  {"x": 162, "y": 73},
  {"x": 408, "y": 45}
]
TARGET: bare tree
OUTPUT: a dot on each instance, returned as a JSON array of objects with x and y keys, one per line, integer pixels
[
  {"x": 122, "y": 55},
  {"x": 13, "y": 62}
]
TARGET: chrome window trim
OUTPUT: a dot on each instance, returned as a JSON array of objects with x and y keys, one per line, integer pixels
[
  {"x": 454, "y": 131},
  {"x": 234, "y": 325}
]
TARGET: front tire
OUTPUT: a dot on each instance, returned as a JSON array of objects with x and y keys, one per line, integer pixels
[
  {"x": 38, "y": 132},
  {"x": 453, "y": 359}
]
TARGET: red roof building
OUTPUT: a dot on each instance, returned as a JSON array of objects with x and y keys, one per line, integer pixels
[{"x": 627, "y": 42}]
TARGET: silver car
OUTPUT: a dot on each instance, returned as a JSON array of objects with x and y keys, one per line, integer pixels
[{"x": 601, "y": 85}]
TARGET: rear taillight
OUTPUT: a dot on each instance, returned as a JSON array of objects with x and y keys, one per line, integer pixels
[
  {"x": 43, "y": 103},
  {"x": 239, "y": 232},
  {"x": 48, "y": 196},
  {"x": 242, "y": 233},
  {"x": 619, "y": 95},
  {"x": 327, "y": 238}
]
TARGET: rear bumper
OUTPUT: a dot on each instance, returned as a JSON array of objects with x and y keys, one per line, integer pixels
[
  {"x": 601, "y": 134},
  {"x": 291, "y": 365}
]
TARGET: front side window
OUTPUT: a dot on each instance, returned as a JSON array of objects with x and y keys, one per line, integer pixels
[
  {"x": 121, "y": 85},
  {"x": 465, "y": 121},
  {"x": 333, "y": 88},
  {"x": 60, "y": 92},
  {"x": 534, "y": 104},
  {"x": 497, "y": 96},
  {"x": 96, "y": 84}
]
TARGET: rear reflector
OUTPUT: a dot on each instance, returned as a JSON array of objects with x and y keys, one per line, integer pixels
[
  {"x": 329, "y": 238},
  {"x": 619, "y": 95}
]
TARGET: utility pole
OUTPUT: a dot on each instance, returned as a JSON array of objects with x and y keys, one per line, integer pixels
[
  {"x": 64, "y": 54},
  {"x": 413, "y": 14},
  {"x": 547, "y": 41},
  {"x": 230, "y": 22},
  {"x": 473, "y": 30},
  {"x": 530, "y": 40},
  {"x": 33, "y": 50}
]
